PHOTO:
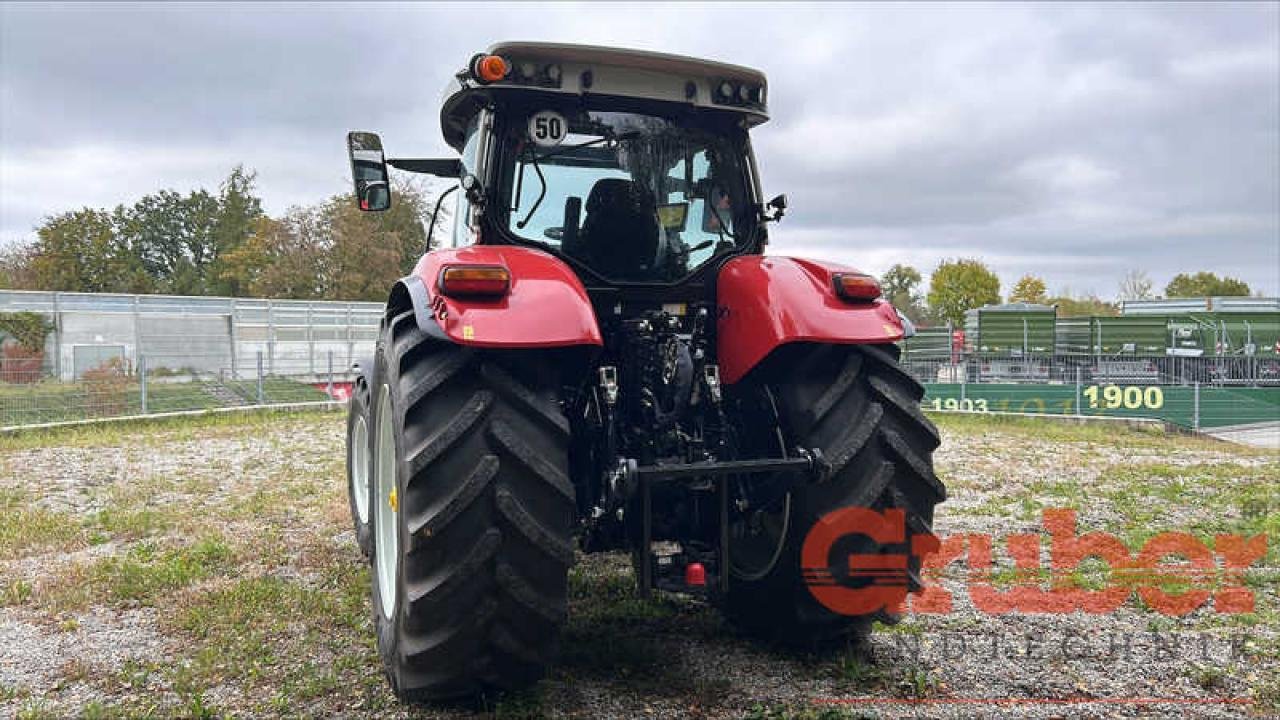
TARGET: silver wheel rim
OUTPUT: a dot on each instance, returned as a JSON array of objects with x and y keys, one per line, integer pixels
[
  {"x": 775, "y": 528},
  {"x": 774, "y": 525},
  {"x": 386, "y": 547},
  {"x": 360, "y": 469}
]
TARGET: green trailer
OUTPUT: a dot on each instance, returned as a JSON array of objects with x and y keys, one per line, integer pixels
[
  {"x": 1015, "y": 328},
  {"x": 929, "y": 343},
  {"x": 1130, "y": 335}
]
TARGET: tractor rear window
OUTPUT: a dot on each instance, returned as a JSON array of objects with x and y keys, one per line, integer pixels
[{"x": 634, "y": 197}]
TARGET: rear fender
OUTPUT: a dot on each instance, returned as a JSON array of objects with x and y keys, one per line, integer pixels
[
  {"x": 546, "y": 306},
  {"x": 767, "y": 302}
]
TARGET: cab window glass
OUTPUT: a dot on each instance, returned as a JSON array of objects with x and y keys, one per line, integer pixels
[
  {"x": 462, "y": 207},
  {"x": 633, "y": 196}
]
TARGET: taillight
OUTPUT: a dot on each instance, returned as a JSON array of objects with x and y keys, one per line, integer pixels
[
  {"x": 856, "y": 287},
  {"x": 474, "y": 281}
]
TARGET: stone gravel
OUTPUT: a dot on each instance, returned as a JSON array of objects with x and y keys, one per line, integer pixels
[{"x": 1126, "y": 664}]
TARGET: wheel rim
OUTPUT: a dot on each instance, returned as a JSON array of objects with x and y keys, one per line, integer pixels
[
  {"x": 754, "y": 551},
  {"x": 757, "y": 542},
  {"x": 360, "y": 468},
  {"x": 386, "y": 544}
]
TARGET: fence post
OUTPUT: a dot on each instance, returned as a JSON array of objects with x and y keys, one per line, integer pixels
[
  {"x": 137, "y": 329},
  {"x": 1079, "y": 374},
  {"x": 329, "y": 388},
  {"x": 57, "y": 337},
  {"x": 260, "y": 377},
  {"x": 311, "y": 342},
  {"x": 1195, "y": 411},
  {"x": 231, "y": 329},
  {"x": 271, "y": 339},
  {"x": 142, "y": 378},
  {"x": 964, "y": 379}
]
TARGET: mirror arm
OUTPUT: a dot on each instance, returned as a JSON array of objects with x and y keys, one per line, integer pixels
[
  {"x": 440, "y": 167},
  {"x": 436, "y": 213}
]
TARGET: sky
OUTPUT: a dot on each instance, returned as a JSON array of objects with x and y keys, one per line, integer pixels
[{"x": 1074, "y": 142}]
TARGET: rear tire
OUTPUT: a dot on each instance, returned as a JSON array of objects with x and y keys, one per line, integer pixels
[
  {"x": 858, "y": 407},
  {"x": 476, "y": 453},
  {"x": 359, "y": 465}
]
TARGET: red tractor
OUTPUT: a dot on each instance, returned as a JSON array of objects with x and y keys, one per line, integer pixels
[{"x": 600, "y": 357}]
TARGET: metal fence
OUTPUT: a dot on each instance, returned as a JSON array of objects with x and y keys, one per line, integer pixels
[
  {"x": 1198, "y": 393},
  {"x": 114, "y": 355},
  {"x": 1126, "y": 369}
]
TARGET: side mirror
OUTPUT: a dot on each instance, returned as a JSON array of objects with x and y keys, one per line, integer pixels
[
  {"x": 369, "y": 171},
  {"x": 778, "y": 206}
]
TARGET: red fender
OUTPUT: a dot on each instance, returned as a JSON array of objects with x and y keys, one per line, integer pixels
[
  {"x": 545, "y": 307},
  {"x": 765, "y": 302}
]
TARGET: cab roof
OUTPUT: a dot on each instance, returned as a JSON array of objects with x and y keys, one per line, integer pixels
[{"x": 618, "y": 72}]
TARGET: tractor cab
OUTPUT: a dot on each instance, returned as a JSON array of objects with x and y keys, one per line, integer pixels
[{"x": 632, "y": 167}]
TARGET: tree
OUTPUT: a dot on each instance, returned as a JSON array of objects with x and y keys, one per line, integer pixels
[
  {"x": 365, "y": 256},
  {"x": 1086, "y": 306},
  {"x": 15, "y": 267},
  {"x": 369, "y": 251},
  {"x": 1028, "y": 289},
  {"x": 79, "y": 251},
  {"x": 900, "y": 285},
  {"x": 1135, "y": 286},
  {"x": 202, "y": 243},
  {"x": 174, "y": 235},
  {"x": 283, "y": 258},
  {"x": 960, "y": 285},
  {"x": 1204, "y": 284},
  {"x": 239, "y": 210}
]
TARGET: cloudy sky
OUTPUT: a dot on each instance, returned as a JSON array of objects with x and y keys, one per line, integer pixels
[{"x": 1075, "y": 142}]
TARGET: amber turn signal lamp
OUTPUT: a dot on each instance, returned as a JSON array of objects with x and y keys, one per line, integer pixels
[
  {"x": 489, "y": 68},
  {"x": 856, "y": 287},
  {"x": 474, "y": 281}
]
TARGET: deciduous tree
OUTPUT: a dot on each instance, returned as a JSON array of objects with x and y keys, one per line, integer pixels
[
  {"x": 1135, "y": 286},
  {"x": 1028, "y": 289},
  {"x": 960, "y": 285},
  {"x": 1204, "y": 284},
  {"x": 901, "y": 286}
]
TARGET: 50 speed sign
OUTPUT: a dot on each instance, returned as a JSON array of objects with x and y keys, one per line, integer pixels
[{"x": 547, "y": 128}]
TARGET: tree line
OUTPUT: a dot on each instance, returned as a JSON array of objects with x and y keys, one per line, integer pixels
[
  {"x": 964, "y": 284},
  {"x": 223, "y": 243}
]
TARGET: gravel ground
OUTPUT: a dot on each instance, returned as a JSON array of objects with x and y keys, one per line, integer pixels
[{"x": 207, "y": 568}]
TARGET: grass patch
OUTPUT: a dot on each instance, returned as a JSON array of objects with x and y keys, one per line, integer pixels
[
  {"x": 147, "y": 572},
  {"x": 25, "y": 527},
  {"x": 58, "y": 401},
  {"x": 130, "y": 524},
  {"x": 805, "y": 712},
  {"x": 916, "y": 682},
  {"x": 615, "y": 636},
  {"x": 858, "y": 673},
  {"x": 278, "y": 634},
  {"x": 1053, "y": 430},
  {"x": 142, "y": 576},
  {"x": 151, "y": 430}
]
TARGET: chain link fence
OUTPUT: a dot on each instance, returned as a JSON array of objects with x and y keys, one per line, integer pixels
[{"x": 107, "y": 355}]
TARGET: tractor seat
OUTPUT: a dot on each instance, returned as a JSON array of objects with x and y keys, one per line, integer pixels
[{"x": 620, "y": 232}]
